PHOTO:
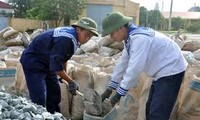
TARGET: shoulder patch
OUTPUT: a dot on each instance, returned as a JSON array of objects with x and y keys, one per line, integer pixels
[
  {"x": 143, "y": 30},
  {"x": 63, "y": 32}
]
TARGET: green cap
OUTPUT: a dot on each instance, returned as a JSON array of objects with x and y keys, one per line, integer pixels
[
  {"x": 88, "y": 24},
  {"x": 113, "y": 21}
]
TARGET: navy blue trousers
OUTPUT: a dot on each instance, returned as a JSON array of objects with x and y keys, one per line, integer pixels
[
  {"x": 162, "y": 97},
  {"x": 43, "y": 88}
]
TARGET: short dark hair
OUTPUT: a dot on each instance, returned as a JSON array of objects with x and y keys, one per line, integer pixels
[{"x": 126, "y": 25}]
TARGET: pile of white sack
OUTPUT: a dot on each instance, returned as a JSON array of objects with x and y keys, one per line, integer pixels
[{"x": 12, "y": 43}]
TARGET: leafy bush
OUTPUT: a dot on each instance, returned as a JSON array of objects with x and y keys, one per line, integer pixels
[{"x": 193, "y": 28}]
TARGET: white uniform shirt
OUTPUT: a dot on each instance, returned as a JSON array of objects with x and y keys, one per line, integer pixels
[{"x": 157, "y": 56}]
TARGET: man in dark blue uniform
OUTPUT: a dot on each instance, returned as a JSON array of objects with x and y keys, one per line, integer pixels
[{"x": 47, "y": 56}]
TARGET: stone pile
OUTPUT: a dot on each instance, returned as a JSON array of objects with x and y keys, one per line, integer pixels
[{"x": 14, "y": 107}]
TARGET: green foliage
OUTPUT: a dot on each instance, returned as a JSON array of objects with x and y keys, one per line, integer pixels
[
  {"x": 177, "y": 23},
  {"x": 143, "y": 16},
  {"x": 56, "y": 10},
  {"x": 43, "y": 10},
  {"x": 73, "y": 9},
  {"x": 195, "y": 28},
  {"x": 155, "y": 19},
  {"x": 20, "y": 7}
]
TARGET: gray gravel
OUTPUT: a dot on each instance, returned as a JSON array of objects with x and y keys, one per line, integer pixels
[{"x": 13, "y": 107}]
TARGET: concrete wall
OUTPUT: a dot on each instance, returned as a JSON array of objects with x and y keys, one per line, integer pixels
[
  {"x": 127, "y": 7},
  {"x": 22, "y": 24}
]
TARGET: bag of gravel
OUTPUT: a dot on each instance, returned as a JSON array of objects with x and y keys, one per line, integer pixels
[
  {"x": 189, "y": 104},
  {"x": 77, "y": 106},
  {"x": 92, "y": 102},
  {"x": 112, "y": 115}
]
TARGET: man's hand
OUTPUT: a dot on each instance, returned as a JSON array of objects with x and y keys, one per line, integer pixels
[
  {"x": 73, "y": 87},
  {"x": 106, "y": 94},
  {"x": 115, "y": 99}
]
